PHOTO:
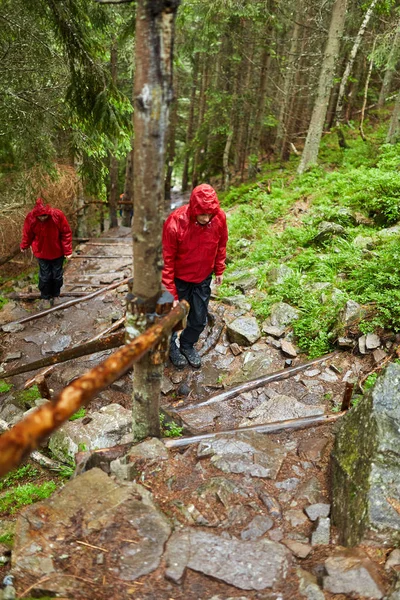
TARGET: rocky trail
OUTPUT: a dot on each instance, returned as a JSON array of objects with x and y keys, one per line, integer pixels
[{"x": 242, "y": 515}]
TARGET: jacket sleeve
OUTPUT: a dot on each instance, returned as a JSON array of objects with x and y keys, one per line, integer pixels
[
  {"x": 221, "y": 251},
  {"x": 27, "y": 234},
  {"x": 170, "y": 249},
  {"x": 65, "y": 235}
]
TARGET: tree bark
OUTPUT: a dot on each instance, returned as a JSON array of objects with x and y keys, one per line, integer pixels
[
  {"x": 390, "y": 68},
  {"x": 152, "y": 96},
  {"x": 112, "y": 206},
  {"x": 310, "y": 152},
  {"x": 202, "y": 110},
  {"x": 347, "y": 71},
  {"x": 394, "y": 125},
  {"x": 171, "y": 148},
  {"x": 260, "y": 112},
  {"x": 190, "y": 125},
  {"x": 128, "y": 191}
]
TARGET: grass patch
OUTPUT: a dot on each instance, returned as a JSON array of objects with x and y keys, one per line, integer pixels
[
  {"x": 79, "y": 414},
  {"x": 23, "y": 495},
  {"x": 24, "y": 472},
  {"x": 4, "y": 386}
]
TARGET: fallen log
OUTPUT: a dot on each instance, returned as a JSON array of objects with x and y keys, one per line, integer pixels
[
  {"x": 256, "y": 383},
  {"x": 46, "y": 372},
  {"x": 10, "y": 256},
  {"x": 289, "y": 425},
  {"x": 105, "y": 343},
  {"x": 27, "y": 434},
  {"x": 65, "y": 305}
]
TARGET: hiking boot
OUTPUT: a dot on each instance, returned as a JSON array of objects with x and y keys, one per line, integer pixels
[
  {"x": 51, "y": 302},
  {"x": 177, "y": 359},
  {"x": 192, "y": 356}
]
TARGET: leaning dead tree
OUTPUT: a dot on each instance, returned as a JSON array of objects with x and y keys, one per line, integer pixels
[{"x": 152, "y": 95}]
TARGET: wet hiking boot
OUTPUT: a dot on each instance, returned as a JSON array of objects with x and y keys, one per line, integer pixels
[
  {"x": 192, "y": 356},
  {"x": 177, "y": 359}
]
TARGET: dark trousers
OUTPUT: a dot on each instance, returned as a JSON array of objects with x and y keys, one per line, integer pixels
[
  {"x": 198, "y": 296},
  {"x": 50, "y": 277}
]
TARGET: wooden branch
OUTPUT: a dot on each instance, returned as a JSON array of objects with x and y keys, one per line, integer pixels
[
  {"x": 256, "y": 383},
  {"x": 9, "y": 256},
  {"x": 36, "y": 295},
  {"x": 27, "y": 434},
  {"x": 71, "y": 302},
  {"x": 105, "y": 343},
  {"x": 289, "y": 425},
  {"x": 46, "y": 372}
]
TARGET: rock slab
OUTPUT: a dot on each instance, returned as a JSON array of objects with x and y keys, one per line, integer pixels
[{"x": 254, "y": 565}]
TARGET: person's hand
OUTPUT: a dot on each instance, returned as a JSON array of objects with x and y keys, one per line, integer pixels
[
  {"x": 218, "y": 279},
  {"x": 68, "y": 257},
  {"x": 175, "y": 303},
  {"x": 23, "y": 250}
]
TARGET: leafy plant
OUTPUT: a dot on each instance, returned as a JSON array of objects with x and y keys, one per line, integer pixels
[
  {"x": 370, "y": 381},
  {"x": 4, "y": 387},
  {"x": 170, "y": 428},
  {"x": 79, "y": 414},
  {"x": 14, "y": 499},
  {"x": 26, "y": 471}
]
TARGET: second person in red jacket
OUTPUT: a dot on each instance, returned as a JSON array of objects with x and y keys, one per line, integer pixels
[
  {"x": 194, "y": 247},
  {"x": 47, "y": 230}
]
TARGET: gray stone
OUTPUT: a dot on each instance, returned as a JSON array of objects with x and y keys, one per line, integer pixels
[
  {"x": 250, "y": 453},
  {"x": 366, "y": 466},
  {"x": 256, "y": 528},
  {"x": 177, "y": 377},
  {"x": 235, "y": 349},
  {"x": 245, "y": 283},
  {"x": 326, "y": 231},
  {"x": 276, "y": 332},
  {"x": 150, "y": 449},
  {"x": 280, "y": 408},
  {"x": 295, "y": 517},
  {"x": 288, "y": 485},
  {"x": 300, "y": 550},
  {"x": 254, "y": 565},
  {"x": 13, "y": 327},
  {"x": 393, "y": 559},
  {"x": 238, "y": 301},
  {"x": 12, "y": 356},
  {"x": 166, "y": 385},
  {"x": 288, "y": 349},
  {"x": 224, "y": 490},
  {"x": 322, "y": 534},
  {"x": 282, "y": 314},
  {"x": 344, "y": 342},
  {"x": 308, "y": 586},
  {"x": 328, "y": 376},
  {"x": 379, "y": 355},
  {"x": 107, "y": 428},
  {"x": 310, "y": 490},
  {"x": 271, "y": 503},
  {"x": 362, "y": 344},
  {"x": 372, "y": 341},
  {"x": 363, "y": 242},
  {"x": 244, "y": 331},
  {"x": 58, "y": 344},
  {"x": 220, "y": 348},
  {"x": 352, "y": 572},
  {"x": 279, "y": 274},
  {"x": 91, "y": 503},
  {"x": 314, "y": 511},
  {"x": 311, "y": 372},
  {"x": 351, "y": 313}
]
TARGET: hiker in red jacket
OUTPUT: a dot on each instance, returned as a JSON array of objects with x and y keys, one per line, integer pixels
[
  {"x": 194, "y": 247},
  {"x": 47, "y": 230}
]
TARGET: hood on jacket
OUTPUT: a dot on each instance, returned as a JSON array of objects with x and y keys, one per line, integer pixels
[
  {"x": 203, "y": 200},
  {"x": 41, "y": 209}
]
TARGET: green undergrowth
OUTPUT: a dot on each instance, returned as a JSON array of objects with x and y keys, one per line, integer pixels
[
  {"x": 22, "y": 495},
  {"x": 357, "y": 189},
  {"x": 80, "y": 413},
  {"x": 169, "y": 428},
  {"x": 4, "y": 386}
]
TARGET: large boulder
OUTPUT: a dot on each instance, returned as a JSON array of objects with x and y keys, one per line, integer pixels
[
  {"x": 366, "y": 466},
  {"x": 244, "y": 331}
]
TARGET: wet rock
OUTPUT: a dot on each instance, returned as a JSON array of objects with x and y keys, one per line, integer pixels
[
  {"x": 288, "y": 485},
  {"x": 254, "y": 565},
  {"x": 13, "y": 327},
  {"x": 308, "y": 586},
  {"x": 245, "y": 283},
  {"x": 224, "y": 490},
  {"x": 151, "y": 449},
  {"x": 58, "y": 344},
  {"x": 235, "y": 349},
  {"x": 280, "y": 408},
  {"x": 282, "y": 314},
  {"x": 352, "y": 572},
  {"x": 239, "y": 301},
  {"x": 311, "y": 372},
  {"x": 271, "y": 503},
  {"x": 220, "y": 348},
  {"x": 254, "y": 365},
  {"x": 366, "y": 465},
  {"x": 362, "y": 344},
  {"x": 275, "y": 332},
  {"x": 279, "y": 274},
  {"x": 372, "y": 341},
  {"x": 379, "y": 355},
  {"x": 166, "y": 385},
  {"x": 91, "y": 503},
  {"x": 177, "y": 377},
  {"x": 256, "y": 528},
  {"x": 322, "y": 534},
  {"x": 310, "y": 490},
  {"x": 249, "y": 453},
  {"x": 393, "y": 559},
  {"x": 314, "y": 511},
  {"x": 107, "y": 428},
  {"x": 328, "y": 376},
  {"x": 295, "y": 517},
  {"x": 288, "y": 349},
  {"x": 243, "y": 331},
  {"x": 12, "y": 356},
  {"x": 300, "y": 550},
  {"x": 199, "y": 419}
]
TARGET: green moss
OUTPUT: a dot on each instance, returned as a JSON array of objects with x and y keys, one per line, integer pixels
[
  {"x": 12, "y": 500},
  {"x": 7, "y": 539},
  {"x": 79, "y": 414},
  {"x": 4, "y": 386},
  {"x": 25, "y": 472},
  {"x": 27, "y": 397}
]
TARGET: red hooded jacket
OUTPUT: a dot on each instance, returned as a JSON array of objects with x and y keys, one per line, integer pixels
[
  {"x": 49, "y": 239},
  {"x": 192, "y": 251}
]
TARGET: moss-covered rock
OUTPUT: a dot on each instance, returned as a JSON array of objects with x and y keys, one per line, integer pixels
[{"x": 366, "y": 466}]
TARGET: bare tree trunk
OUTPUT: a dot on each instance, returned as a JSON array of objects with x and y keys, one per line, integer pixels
[
  {"x": 225, "y": 159},
  {"x": 310, "y": 152},
  {"x": 171, "y": 148},
  {"x": 112, "y": 206},
  {"x": 390, "y": 68},
  {"x": 128, "y": 191},
  {"x": 152, "y": 96},
  {"x": 394, "y": 126},
  {"x": 202, "y": 110},
  {"x": 371, "y": 64},
  {"x": 347, "y": 71},
  {"x": 81, "y": 223},
  {"x": 254, "y": 145},
  {"x": 295, "y": 107},
  {"x": 190, "y": 125}
]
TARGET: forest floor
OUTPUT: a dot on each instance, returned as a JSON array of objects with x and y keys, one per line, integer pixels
[{"x": 246, "y": 504}]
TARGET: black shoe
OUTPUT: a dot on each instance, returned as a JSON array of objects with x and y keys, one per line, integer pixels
[
  {"x": 177, "y": 359},
  {"x": 192, "y": 356}
]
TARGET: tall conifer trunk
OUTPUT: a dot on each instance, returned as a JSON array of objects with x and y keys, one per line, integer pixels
[
  {"x": 152, "y": 95},
  {"x": 190, "y": 125},
  {"x": 113, "y": 199}
]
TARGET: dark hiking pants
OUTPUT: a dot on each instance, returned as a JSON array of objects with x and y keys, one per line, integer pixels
[
  {"x": 50, "y": 277},
  {"x": 198, "y": 296}
]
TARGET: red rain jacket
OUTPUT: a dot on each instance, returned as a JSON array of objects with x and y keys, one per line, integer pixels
[
  {"x": 192, "y": 251},
  {"x": 49, "y": 239}
]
